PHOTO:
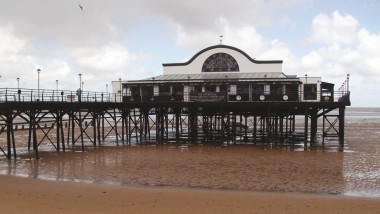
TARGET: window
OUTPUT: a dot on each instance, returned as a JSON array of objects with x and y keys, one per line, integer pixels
[
  {"x": 257, "y": 89},
  {"x": 210, "y": 88},
  {"x": 164, "y": 91},
  {"x": 310, "y": 91},
  {"x": 283, "y": 89},
  {"x": 220, "y": 62},
  {"x": 266, "y": 89},
  {"x": 243, "y": 89}
]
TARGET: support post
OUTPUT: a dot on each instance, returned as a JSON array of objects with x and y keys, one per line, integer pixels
[
  {"x": 94, "y": 125},
  {"x": 306, "y": 128},
  {"x": 341, "y": 127},
  {"x": 81, "y": 129},
  {"x": 313, "y": 126},
  {"x": 177, "y": 118},
  {"x": 58, "y": 127},
  {"x": 35, "y": 144},
  {"x": 9, "y": 128},
  {"x": 116, "y": 133}
]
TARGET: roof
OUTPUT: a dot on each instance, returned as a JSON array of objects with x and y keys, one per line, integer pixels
[
  {"x": 228, "y": 47},
  {"x": 216, "y": 76}
]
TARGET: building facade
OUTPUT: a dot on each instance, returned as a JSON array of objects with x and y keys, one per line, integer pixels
[{"x": 225, "y": 73}]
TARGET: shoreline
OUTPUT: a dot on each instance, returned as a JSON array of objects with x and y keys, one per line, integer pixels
[{"x": 36, "y": 196}]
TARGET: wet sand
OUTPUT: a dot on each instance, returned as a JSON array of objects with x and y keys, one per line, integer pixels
[
  {"x": 201, "y": 179},
  {"x": 25, "y": 195}
]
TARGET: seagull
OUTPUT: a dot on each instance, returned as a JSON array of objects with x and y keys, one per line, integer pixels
[{"x": 80, "y": 6}]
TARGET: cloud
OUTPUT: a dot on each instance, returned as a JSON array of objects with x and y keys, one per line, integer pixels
[
  {"x": 346, "y": 47},
  {"x": 245, "y": 38},
  {"x": 62, "y": 21},
  {"x": 286, "y": 21},
  {"x": 13, "y": 56},
  {"x": 334, "y": 29},
  {"x": 55, "y": 69},
  {"x": 106, "y": 58},
  {"x": 342, "y": 46},
  {"x": 104, "y": 20},
  {"x": 9, "y": 42},
  {"x": 312, "y": 60}
]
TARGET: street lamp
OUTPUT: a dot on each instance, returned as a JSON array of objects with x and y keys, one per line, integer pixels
[
  {"x": 56, "y": 84},
  {"x": 80, "y": 88},
  {"x": 80, "y": 81},
  {"x": 120, "y": 90},
  {"x": 38, "y": 83},
  {"x": 306, "y": 78},
  {"x": 18, "y": 88},
  {"x": 153, "y": 86},
  {"x": 106, "y": 88}
]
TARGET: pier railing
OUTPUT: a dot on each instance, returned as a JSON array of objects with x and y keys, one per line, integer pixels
[
  {"x": 330, "y": 96},
  {"x": 42, "y": 95}
]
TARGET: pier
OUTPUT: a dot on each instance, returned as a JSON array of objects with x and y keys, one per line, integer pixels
[
  {"x": 221, "y": 95},
  {"x": 100, "y": 118}
]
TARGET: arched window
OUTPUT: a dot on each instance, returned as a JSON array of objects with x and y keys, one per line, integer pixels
[{"x": 220, "y": 62}]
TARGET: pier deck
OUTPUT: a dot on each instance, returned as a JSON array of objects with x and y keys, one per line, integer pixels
[{"x": 58, "y": 119}]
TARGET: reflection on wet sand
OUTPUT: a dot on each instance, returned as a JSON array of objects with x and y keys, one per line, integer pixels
[
  {"x": 234, "y": 167},
  {"x": 239, "y": 167}
]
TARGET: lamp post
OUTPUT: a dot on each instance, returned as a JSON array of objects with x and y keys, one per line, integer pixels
[
  {"x": 153, "y": 85},
  {"x": 80, "y": 88},
  {"x": 348, "y": 79},
  {"x": 38, "y": 83},
  {"x": 153, "y": 88},
  {"x": 120, "y": 89},
  {"x": 106, "y": 88},
  {"x": 18, "y": 88},
  {"x": 56, "y": 85}
]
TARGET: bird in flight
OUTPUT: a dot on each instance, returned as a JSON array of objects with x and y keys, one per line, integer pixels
[{"x": 80, "y": 6}]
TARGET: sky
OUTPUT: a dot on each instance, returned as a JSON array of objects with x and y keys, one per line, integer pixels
[{"x": 130, "y": 39}]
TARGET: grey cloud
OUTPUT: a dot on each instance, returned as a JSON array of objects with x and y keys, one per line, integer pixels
[{"x": 63, "y": 20}]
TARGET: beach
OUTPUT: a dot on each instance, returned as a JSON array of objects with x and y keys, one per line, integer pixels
[
  {"x": 177, "y": 178},
  {"x": 25, "y": 195}
]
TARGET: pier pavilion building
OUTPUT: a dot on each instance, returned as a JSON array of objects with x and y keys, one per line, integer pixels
[
  {"x": 226, "y": 74},
  {"x": 222, "y": 90}
]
